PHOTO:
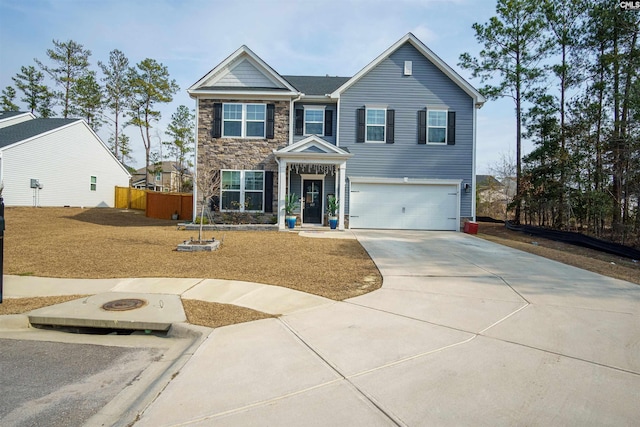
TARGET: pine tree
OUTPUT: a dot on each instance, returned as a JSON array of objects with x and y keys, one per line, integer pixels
[
  {"x": 71, "y": 62},
  {"x": 181, "y": 130},
  {"x": 513, "y": 46},
  {"x": 6, "y": 101},
  {"x": 35, "y": 94},
  {"x": 150, "y": 85},
  {"x": 116, "y": 91},
  {"x": 86, "y": 97}
]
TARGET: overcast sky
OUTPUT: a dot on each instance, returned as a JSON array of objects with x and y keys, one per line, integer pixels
[{"x": 303, "y": 37}]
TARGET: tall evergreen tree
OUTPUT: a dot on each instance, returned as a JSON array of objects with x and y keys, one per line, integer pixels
[
  {"x": 116, "y": 91},
  {"x": 182, "y": 143},
  {"x": 6, "y": 100},
  {"x": 86, "y": 97},
  {"x": 150, "y": 85},
  {"x": 513, "y": 47},
  {"x": 71, "y": 62},
  {"x": 35, "y": 93},
  {"x": 563, "y": 20}
]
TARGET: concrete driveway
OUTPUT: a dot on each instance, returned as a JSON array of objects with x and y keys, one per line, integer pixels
[{"x": 463, "y": 332}]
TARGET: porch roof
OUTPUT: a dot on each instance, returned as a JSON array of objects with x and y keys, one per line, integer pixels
[{"x": 313, "y": 149}]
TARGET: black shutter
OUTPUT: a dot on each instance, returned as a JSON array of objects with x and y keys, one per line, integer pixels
[
  {"x": 422, "y": 127},
  {"x": 361, "y": 125},
  {"x": 268, "y": 191},
  {"x": 451, "y": 128},
  {"x": 271, "y": 121},
  {"x": 391, "y": 125},
  {"x": 216, "y": 131},
  {"x": 299, "y": 121},
  {"x": 328, "y": 123}
]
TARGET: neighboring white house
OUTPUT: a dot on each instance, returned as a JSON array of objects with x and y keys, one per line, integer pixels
[{"x": 56, "y": 162}]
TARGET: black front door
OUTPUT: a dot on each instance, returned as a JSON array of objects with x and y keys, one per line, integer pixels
[{"x": 312, "y": 197}]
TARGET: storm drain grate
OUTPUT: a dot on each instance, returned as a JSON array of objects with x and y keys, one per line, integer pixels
[{"x": 124, "y": 304}]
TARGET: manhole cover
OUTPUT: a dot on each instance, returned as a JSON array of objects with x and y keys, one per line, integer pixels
[{"x": 124, "y": 304}]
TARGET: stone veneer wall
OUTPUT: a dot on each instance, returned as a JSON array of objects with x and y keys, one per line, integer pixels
[{"x": 239, "y": 153}]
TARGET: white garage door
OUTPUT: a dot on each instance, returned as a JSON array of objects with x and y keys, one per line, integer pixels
[{"x": 404, "y": 206}]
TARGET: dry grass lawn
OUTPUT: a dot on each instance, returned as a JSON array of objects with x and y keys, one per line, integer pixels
[{"x": 113, "y": 243}]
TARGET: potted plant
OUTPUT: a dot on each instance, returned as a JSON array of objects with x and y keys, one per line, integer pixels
[
  {"x": 332, "y": 211},
  {"x": 290, "y": 202}
]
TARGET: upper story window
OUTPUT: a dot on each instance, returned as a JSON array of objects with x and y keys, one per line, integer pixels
[
  {"x": 94, "y": 183},
  {"x": 158, "y": 176},
  {"x": 314, "y": 121},
  {"x": 244, "y": 120},
  {"x": 375, "y": 124},
  {"x": 436, "y": 126}
]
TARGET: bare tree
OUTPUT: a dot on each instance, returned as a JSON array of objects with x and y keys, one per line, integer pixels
[
  {"x": 208, "y": 182},
  {"x": 504, "y": 170}
]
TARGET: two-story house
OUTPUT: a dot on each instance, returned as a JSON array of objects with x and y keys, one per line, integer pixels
[{"x": 395, "y": 143}]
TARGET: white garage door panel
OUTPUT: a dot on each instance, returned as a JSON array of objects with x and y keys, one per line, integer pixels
[{"x": 398, "y": 206}]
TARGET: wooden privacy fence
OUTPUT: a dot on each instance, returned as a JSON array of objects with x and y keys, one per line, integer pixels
[
  {"x": 131, "y": 198},
  {"x": 165, "y": 205},
  {"x": 156, "y": 204}
]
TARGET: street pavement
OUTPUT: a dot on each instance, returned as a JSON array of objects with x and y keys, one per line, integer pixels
[{"x": 462, "y": 332}]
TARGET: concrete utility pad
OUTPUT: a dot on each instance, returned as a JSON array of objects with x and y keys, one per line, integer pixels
[{"x": 159, "y": 312}]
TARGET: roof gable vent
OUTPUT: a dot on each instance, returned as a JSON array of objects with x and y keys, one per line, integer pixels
[{"x": 408, "y": 68}]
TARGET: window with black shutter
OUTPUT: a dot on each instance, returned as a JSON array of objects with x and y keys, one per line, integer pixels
[
  {"x": 451, "y": 128},
  {"x": 299, "y": 121},
  {"x": 391, "y": 124},
  {"x": 360, "y": 125},
  {"x": 271, "y": 122},
  {"x": 216, "y": 131},
  {"x": 422, "y": 127},
  {"x": 328, "y": 123}
]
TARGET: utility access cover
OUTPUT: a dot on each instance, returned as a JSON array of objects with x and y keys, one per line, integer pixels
[{"x": 124, "y": 304}]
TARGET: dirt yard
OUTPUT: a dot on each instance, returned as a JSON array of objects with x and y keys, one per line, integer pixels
[{"x": 112, "y": 243}]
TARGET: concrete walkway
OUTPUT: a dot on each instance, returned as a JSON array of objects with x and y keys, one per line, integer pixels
[{"x": 463, "y": 332}]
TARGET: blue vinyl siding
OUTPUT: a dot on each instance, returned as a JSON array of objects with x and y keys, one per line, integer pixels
[{"x": 386, "y": 86}]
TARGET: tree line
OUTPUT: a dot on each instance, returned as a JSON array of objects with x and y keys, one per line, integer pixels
[
  {"x": 571, "y": 68},
  {"x": 123, "y": 95}
]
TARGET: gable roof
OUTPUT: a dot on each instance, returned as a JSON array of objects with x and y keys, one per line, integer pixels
[
  {"x": 243, "y": 57},
  {"x": 487, "y": 181},
  {"x": 313, "y": 148},
  {"x": 30, "y": 128},
  {"x": 427, "y": 53},
  {"x": 316, "y": 85}
]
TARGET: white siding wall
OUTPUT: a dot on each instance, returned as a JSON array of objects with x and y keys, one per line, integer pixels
[{"x": 64, "y": 161}]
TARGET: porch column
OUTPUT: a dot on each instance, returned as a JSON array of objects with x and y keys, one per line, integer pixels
[
  {"x": 282, "y": 188},
  {"x": 343, "y": 171}
]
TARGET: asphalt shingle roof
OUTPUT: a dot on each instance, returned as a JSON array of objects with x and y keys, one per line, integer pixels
[
  {"x": 27, "y": 129},
  {"x": 7, "y": 114},
  {"x": 316, "y": 85}
]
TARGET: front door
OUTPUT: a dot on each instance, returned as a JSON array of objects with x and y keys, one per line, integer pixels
[{"x": 312, "y": 196}]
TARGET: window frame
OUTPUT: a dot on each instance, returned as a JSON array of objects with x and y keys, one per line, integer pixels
[
  {"x": 305, "y": 121},
  {"x": 94, "y": 183},
  {"x": 445, "y": 127},
  {"x": 383, "y": 125},
  {"x": 242, "y": 191},
  {"x": 244, "y": 120}
]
